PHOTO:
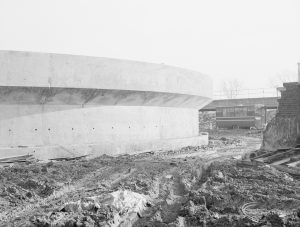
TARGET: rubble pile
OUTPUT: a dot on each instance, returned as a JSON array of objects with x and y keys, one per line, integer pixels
[{"x": 219, "y": 141}]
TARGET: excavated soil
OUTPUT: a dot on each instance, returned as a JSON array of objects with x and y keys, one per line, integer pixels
[{"x": 194, "y": 186}]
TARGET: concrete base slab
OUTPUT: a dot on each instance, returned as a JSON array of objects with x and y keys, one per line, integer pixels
[{"x": 94, "y": 150}]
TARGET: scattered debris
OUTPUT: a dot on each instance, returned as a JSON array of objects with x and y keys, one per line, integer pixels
[
  {"x": 119, "y": 208},
  {"x": 9, "y": 161},
  {"x": 193, "y": 186},
  {"x": 21, "y": 158},
  {"x": 286, "y": 160},
  {"x": 69, "y": 159}
]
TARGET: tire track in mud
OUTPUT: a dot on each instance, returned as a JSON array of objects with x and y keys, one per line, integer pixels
[
  {"x": 167, "y": 179},
  {"x": 172, "y": 191}
]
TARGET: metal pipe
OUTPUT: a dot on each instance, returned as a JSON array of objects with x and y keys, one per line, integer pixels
[{"x": 299, "y": 73}]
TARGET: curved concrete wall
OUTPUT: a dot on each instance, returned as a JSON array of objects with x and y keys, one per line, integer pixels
[
  {"x": 61, "y": 105},
  {"x": 57, "y": 70}
]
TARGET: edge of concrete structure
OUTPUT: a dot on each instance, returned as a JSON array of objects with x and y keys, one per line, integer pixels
[
  {"x": 94, "y": 150},
  {"x": 55, "y": 105}
]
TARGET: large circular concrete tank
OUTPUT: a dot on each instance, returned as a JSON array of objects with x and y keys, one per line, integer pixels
[{"x": 57, "y": 105}]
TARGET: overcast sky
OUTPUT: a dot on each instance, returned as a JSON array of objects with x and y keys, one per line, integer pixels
[{"x": 251, "y": 40}]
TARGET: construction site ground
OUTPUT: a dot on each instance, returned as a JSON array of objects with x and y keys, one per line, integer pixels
[{"x": 213, "y": 185}]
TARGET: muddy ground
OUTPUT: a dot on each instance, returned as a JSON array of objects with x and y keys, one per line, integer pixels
[{"x": 194, "y": 186}]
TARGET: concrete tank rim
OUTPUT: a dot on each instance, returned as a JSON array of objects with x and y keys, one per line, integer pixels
[
  {"x": 64, "y": 70},
  {"x": 108, "y": 58}
]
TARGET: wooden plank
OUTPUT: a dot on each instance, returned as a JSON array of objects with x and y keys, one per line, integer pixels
[
  {"x": 15, "y": 158},
  {"x": 270, "y": 154},
  {"x": 282, "y": 161},
  {"x": 68, "y": 159},
  {"x": 293, "y": 171},
  {"x": 5, "y": 165},
  {"x": 280, "y": 156},
  {"x": 294, "y": 164},
  {"x": 295, "y": 158}
]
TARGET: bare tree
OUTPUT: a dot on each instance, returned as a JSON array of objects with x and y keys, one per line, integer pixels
[
  {"x": 231, "y": 88},
  {"x": 282, "y": 77}
]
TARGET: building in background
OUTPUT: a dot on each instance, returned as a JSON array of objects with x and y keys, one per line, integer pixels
[{"x": 241, "y": 117}]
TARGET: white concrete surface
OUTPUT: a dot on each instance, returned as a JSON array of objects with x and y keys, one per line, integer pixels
[
  {"x": 60, "y": 105},
  {"x": 58, "y": 70}
]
